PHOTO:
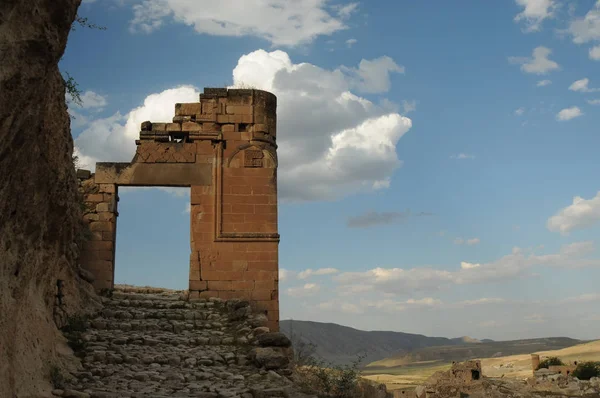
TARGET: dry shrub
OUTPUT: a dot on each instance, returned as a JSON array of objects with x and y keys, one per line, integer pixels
[{"x": 328, "y": 380}]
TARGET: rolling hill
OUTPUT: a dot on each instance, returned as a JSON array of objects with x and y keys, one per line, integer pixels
[
  {"x": 480, "y": 349},
  {"x": 342, "y": 345}
]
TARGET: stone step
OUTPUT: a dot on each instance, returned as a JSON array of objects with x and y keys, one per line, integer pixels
[
  {"x": 154, "y": 343},
  {"x": 96, "y": 364},
  {"x": 157, "y": 325},
  {"x": 140, "y": 301},
  {"x": 175, "y": 314},
  {"x": 173, "y": 330},
  {"x": 166, "y": 351}
]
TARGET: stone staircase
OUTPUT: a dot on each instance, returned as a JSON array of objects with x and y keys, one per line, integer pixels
[{"x": 149, "y": 342}]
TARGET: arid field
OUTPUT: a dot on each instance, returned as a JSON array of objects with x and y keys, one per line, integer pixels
[{"x": 512, "y": 366}]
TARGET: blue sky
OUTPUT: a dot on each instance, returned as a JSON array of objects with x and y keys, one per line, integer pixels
[{"x": 438, "y": 163}]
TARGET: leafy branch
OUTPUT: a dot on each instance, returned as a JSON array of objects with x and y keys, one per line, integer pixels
[
  {"x": 83, "y": 21},
  {"x": 73, "y": 90}
]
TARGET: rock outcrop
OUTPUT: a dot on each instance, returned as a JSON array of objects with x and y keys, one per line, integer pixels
[
  {"x": 39, "y": 211},
  {"x": 155, "y": 342}
]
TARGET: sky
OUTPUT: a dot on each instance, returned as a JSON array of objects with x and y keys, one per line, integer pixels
[{"x": 438, "y": 165}]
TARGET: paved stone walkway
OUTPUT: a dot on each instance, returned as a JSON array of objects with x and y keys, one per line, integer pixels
[{"x": 157, "y": 345}]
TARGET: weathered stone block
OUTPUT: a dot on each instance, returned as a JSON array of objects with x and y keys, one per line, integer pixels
[
  {"x": 159, "y": 127},
  {"x": 107, "y": 188},
  {"x": 191, "y": 126},
  {"x": 101, "y": 226},
  {"x": 83, "y": 174},
  {"x": 173, "y": 127},
  {"x": 226, "y": 128},
  {"x": 219, "y": 285},
  {"x": 188, "y": 109},
  {"x": 239, "y": 109},
  {"x": 198, "y": 285},
  {"x": 97, "y": 197}
]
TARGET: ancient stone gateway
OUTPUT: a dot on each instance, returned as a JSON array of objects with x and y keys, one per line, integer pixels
[{"x": 223, "y": 147}]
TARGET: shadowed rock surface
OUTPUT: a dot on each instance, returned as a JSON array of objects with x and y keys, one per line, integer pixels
[{"x": 39, "y": 214}]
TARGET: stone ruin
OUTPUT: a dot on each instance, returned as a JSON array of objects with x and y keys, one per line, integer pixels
[
  {"x": 462, "y": 376},
  {"x": 467, "y": 380},
  {"x": 224, "y": 148},
  {"x": 553, "y": 370}
]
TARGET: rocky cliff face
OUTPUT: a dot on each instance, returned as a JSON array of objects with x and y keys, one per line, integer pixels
[{"x": 39, "y": 211}]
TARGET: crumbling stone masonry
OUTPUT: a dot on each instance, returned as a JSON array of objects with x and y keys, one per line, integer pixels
[{"x": 224, "y": 148}]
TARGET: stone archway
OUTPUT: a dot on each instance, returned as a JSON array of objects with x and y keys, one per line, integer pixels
[{"x": 224, "y": 149}]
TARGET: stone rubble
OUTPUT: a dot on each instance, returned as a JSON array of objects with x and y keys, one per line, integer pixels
[
  {"x": 160, "y": 345},
  {"x": 545, "y": 383}
]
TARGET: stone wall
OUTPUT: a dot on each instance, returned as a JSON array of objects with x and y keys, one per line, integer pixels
[
  {"x": 100, "y": 215},
  {"x": 39, "y": 212},
  {"x": 224, "y": 148}
]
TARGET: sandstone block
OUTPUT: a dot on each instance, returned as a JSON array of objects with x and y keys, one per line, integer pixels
[
  {"x": 107, "y": 188},
  {"x": 100, "y": 207},
  {"x": 219, "y": 285},
  {"x": 173, "y": 127},
  {"x": 188, "y": 109},
  {"x": 191, "y": 126},
  {"x": 228, "y": 128},
  {"x": 240, "y": 109},
  {"x": 102, "y": 226},
  {"x": 159, "y": 127},
  {"x": 83, "y": 174},
  {"x": 198, "y": 285},
  {"x": 97, "y": 197}
]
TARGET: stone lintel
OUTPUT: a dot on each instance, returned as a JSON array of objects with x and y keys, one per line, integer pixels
[{"x": 154, "y": 174}]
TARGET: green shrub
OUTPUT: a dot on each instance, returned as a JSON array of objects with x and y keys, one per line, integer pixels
[
  {"x": 587, "y": 370},
  {"x": 550, "y": 361}
]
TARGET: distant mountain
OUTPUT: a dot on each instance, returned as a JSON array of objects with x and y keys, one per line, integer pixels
[{"x": 342, "y": 344}]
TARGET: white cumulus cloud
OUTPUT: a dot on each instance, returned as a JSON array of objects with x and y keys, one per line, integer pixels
[
  {"x": 466, "y": 265},
  {"x": 543, "y": 83},
  {"x": 112, "y": 139},
  {"x": 334, "y": 142},
  {"x": 595, "y": 53},
  {"x": 569, "y": 113},
  {"x": 582, "y": 213},
  {"x": 282, "y": 23},
  {"x": 538, "y": 63},
  {"x": 303, "y": 291},
  {"x": 582, "y": 85},
  {"x": 586, "y": 28},
  {"x": 317, "y": 272},
  {"x": 519, "y": 263},
  {"x": 535, "y": 12},
  {"x": 90, "y": 99}
]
